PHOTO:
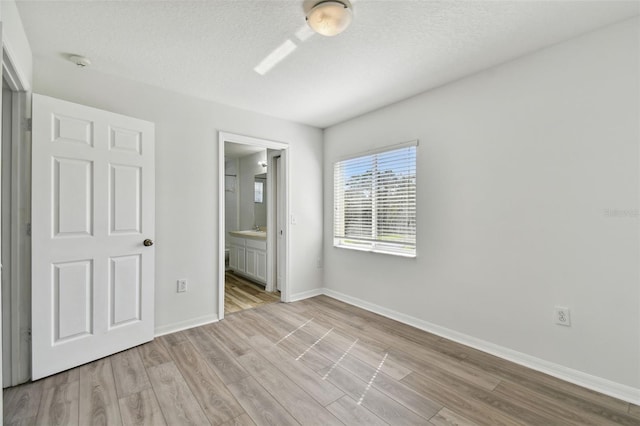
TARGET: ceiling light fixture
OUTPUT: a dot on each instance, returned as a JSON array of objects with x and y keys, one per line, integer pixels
[{"x": 330, "y": 18}]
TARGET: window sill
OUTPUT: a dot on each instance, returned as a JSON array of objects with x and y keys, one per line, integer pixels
[{"x": 376, "y": 251}]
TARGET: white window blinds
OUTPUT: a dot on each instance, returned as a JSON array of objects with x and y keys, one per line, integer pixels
[{"x": 375, "y": 201}]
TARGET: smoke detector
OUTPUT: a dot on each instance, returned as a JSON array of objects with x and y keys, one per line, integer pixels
[{"x": 80, "y": 61}]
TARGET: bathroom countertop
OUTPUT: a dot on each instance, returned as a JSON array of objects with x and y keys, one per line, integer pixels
[{"x": 254, "y": 235}]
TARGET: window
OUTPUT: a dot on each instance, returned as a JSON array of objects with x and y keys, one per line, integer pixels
[
  {"x": 258, "y": 190},
  {"x": 374, "y": 198}
]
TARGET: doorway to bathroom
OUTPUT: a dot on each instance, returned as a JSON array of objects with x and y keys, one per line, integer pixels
[{"x": 253, "y": 226}]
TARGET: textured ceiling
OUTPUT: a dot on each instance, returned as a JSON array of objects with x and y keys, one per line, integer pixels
[{"x": 392, "y": 50}]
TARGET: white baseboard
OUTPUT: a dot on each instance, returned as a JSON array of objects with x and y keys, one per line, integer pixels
[
  {"x": 598, "y": 384},
  {"x": 208, "y": 319},
  {"x": 185, "y": 325},
  {"x": 306, "y": 294}
]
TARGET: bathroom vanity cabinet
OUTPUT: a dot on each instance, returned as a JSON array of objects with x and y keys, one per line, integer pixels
[{"x": 248, "y": 255}]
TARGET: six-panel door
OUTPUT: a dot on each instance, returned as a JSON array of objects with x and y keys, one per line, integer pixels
[{"x": 92, "y": 208}]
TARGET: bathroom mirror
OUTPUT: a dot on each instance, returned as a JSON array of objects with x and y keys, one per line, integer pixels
[{"x": 260, "y": 199}]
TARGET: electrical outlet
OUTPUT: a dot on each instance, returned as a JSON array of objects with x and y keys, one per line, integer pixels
[
  {"x": 562, "y": 316},
  {"x": 182, "y": 286}
]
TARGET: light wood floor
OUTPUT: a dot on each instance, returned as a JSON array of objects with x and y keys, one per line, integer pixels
[
  {"x": 317, "y": 362},
  {"x": 240, "y": 294}
]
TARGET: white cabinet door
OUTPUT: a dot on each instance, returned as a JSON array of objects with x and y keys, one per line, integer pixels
[
  {"x": 261, "y": 266},
  {"x": 241, "y": 259},
  {"x": 233, "y": 258},
  {"x": 236, "y": 258},
  {"x": 92, "y": 209},
  {"x": 251, "y": 263}
]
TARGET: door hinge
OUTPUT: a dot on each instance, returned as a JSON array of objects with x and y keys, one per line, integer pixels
[
  {"x": 28, "y": 229},
  {"x": 28, "y": 124}
]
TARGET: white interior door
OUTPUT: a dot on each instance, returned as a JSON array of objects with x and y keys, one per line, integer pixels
[{"x": 92, "y": 210}]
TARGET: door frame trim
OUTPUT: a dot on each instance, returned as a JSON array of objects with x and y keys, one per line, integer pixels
[
  {"x": 272, "y": 219},
  {"x": 268, "y": 144},
  {"x": 19, "y": 212}
]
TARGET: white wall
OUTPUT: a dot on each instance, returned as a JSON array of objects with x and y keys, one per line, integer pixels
[
  {"x": 520, "y": 171},
  {"x": 231, "y": 196},
  {"x": 249, "y": 168},
  {"x": 15, "y": 40},
  {"x": 187, "y": 181}
]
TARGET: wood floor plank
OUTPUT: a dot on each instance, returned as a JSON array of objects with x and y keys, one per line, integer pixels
[
  {"x": 98, "y": 404},
  {"x": 177, "y": 403},
  {"x": 312, "y": 359},
  {"x": 388, "y": 333},
  {"x": 343, "y": 335},
  {"x": 59, "y": 405},
  {"x": 418, "y": 355},
  {"x": 22, "y": 402},
  {"x": 485, "y": 411},
  {"x": 334, "y": 308},
  {"x": 244, "y": 322},
  {"x": 243, "y": 420},
  {"x": 153, "y": 354},
  {"x": 367, "y": 350},
  {"x": 424, "y": 362},
  {"x": 375, "y": 401},
  {"x": 60, "y": 379},
  {"x": 333, "y": 348},
  {"x": 388, "y": 325},
  {"x": 218, "y": 403},
  {"x": 446, "y": 417},
  {"x": 307, "y": 339},
  {"x": 219, "y": 359},
  {"x": 235, "y": 302},
  {"x": 22, "y": 422},
  {"x": 390, "y": 367},
  {"x": 553, "y": 408},
  {"x": 351, "y": 413},
  {"x": 390, "y": 387},
  {"x": 230, "y": 307},
  {"x": 241, "y": 294},
  {"x": 234, "y": 342},
  {"x": 302, "y": 407},
  {"x": 544, "y": 383},
  {"x": 319, "y": 389},
  {"x": 173, "y": 338},
  {"x": 286, "y": 338},
  {"x": 343, "y": 330},
  {"x": 572, "y": 395},
  {"x": 260, "y": 405},
  {"x": 290, "y": 346},
  {"x": 141, "y": 409},
  {"x": 129, "y": 373},
  {"x": 268, "y": 328}
]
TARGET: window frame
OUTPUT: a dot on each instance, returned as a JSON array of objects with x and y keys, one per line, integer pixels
[
  {"x": 258, "y": 195},
  {"x": 373, "y": 245}
]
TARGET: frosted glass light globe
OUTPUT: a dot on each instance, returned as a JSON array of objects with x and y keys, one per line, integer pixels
[{"x": 329, "y": 17}]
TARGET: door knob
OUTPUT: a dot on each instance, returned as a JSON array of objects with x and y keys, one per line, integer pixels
[{"x": 147, "y": 242}]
